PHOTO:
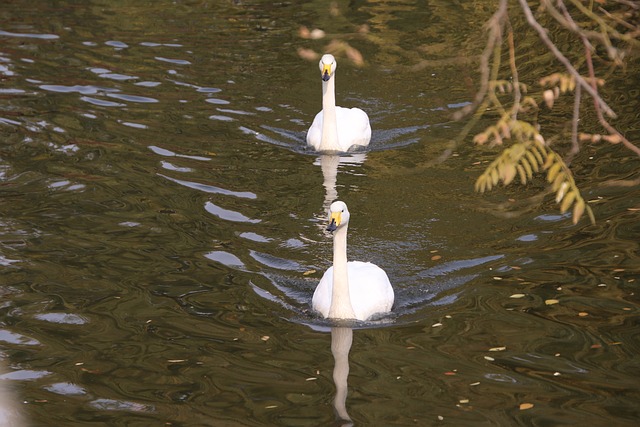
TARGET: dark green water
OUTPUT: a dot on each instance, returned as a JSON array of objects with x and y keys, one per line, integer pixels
[{"x": 159, "y": 216}]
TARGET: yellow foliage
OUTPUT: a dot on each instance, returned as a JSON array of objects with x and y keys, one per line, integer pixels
[{"x": 523, "y": 159}]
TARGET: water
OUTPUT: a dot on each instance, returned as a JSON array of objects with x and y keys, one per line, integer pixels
[{"x": 162, "y": 228}]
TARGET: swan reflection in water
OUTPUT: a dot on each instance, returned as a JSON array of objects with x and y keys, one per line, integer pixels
[
  {"x": 10, "y": 411},
  {"x": 341, "y": 340},
  {"x": 330, "y": 163}
]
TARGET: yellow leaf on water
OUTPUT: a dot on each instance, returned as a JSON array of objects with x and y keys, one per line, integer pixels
[
  {"x": 498, "y": 349},
  {"x": 524, "y": 406},
  {"x": 551, "y": 301},
  {"x": 517, "y": 296}
]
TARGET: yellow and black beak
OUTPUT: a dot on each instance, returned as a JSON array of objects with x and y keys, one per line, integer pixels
[
  {"x": 326, "y": 72},
  {"x": 334, "y": 221}
]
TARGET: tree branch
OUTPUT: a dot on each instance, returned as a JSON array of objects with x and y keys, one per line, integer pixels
[
  {"x": 542, "y": 32},
  {"x": 605, "y": 124},
  {"x": 494, "y": 25}
]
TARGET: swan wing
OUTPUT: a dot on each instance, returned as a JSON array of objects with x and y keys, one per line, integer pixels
[
  {"x": 314, "y": 134},
  {"x": 369, "y": 288},
  {"x": 321, "y": 300},
  {"x": 353, "y": 127}
]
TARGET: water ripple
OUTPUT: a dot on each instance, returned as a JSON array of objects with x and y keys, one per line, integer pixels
[
  {"x": 84, "y": 90},
  {"x": 116, "y": 44},
  {"x": 227, "y": 214},
  {"x": 173, "y": 61},
  {"x": 101, "y": 102},
  {"x": 212, "y": 189},
  {"x": 24, "y": 375},
  {"x": 15, "y": 338},
  {"x": 66, "y": 389},
  {"x": 62, "y": 318},
  {"x": 30, "y": 35},
  {"x": 169, "y": 153},
  {"x": 132, "y": 98},
  {"x": 225, "y": 258}
]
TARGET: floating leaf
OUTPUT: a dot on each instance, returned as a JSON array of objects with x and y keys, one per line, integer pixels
[
  {"x": 551, "y": 301},
  {"x": 525, "y": 406},
  {"x": 517, "y": 296}
]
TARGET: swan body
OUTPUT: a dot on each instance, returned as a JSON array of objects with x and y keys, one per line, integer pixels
[
  {"x": 336, "y": 129},
  {"x": 350, "y": 290}
]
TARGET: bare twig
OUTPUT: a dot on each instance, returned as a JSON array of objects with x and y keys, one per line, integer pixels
[
  {"x": 495, "y": 26},
  {"x": 606, "y": 28},
  {"x": 566, "y": 21},
  {"x": 542, "y": 32},
  {"x": 603, "y": 122},
  {"x": 575, "y": 144},
  {"x": 517, "y": 96}
]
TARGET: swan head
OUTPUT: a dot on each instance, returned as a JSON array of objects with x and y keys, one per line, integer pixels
[
  {"x": 327, "y": 66},
  {"x": 338, "y": 216}
]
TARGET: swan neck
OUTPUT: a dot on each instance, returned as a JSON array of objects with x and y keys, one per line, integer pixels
[
  {"x": 329, "y": 140},
  {"x": 341, "y": 307}
]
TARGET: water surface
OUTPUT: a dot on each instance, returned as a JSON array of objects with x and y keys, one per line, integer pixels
[{"x": 161, "y": 227}]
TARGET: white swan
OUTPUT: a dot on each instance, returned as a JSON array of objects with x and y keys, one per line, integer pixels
[
  {"x": 350, "y": 290},
  {"x": 336, "y": 129}
]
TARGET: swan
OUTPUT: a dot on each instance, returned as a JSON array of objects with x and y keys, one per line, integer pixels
[
  {"x": 350, "y": 290},
  {"x": 336, "y": 129}
]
